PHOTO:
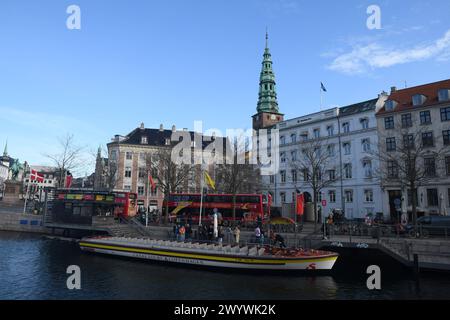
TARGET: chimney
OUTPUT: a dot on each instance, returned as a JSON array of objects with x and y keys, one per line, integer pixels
[
  {"x": 142, "y": 126},
  {"x": 185, "y": 129},
  {"x": 161, "y": 128},
  {"x": 393, "y": 89},
  {"x": 174, "y": 128}
]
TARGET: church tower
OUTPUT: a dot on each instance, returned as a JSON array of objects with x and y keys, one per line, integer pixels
[{"x": 268, "y": 113}]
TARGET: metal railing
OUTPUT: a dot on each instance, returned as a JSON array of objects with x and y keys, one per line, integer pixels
[{"x": 352, "y": 229}]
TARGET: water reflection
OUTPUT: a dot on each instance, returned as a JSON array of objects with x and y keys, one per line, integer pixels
[{"x": 34, "y": 268}]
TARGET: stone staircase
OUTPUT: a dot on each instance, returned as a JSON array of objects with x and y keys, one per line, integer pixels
[{"x": 124, "y": 230}]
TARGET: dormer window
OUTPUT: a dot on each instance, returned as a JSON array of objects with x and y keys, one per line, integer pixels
[
  {"x": 390, "y": 105},
  {"x": 144, "y": 140},
  {"x": 444, "y": 95},
  {"x": 418, "y": 100},
  {"x": 167, "y": 141}
]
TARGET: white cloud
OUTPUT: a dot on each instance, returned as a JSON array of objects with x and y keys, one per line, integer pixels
[{"x": 374, "y": 56}]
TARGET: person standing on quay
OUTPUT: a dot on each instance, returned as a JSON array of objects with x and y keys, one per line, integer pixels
[
  {"x": 237, "y": 234},
  {"x": 258, "y": 234}
]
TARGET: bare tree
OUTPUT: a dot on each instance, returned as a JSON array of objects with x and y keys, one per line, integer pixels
[
  {"x": 168, "y": 175},
  {"x": 239, "y": 176},
  {"x": 315, "y": 162},
  {"x": 68, "y": 158},
  {"x": 409, "y": 157}
]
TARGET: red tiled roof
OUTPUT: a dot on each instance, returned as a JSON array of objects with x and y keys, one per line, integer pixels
[{"x": 404, "y": 96}]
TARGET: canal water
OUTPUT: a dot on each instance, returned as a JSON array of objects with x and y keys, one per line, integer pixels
[{"x": 32, "y": 267}]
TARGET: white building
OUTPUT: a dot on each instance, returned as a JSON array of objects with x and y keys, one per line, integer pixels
[
  {"x": 349, "y": 135},
  {"x": 36, "y": 189}
]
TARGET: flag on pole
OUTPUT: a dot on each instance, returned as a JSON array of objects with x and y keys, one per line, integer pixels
[
  {"x": 210, "y": 181},
  {"x": 35, "y": 176},
  {"x": 322, "y": 87},
  {"x": 69, "y": 179},
  {"x": 152, "y": 182},
  {"x": 300, "y": 204}
]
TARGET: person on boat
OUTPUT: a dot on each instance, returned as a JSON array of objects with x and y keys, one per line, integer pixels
[
  {"x": 175, "y": 231},
  {"x": 278, "y": 239},
  {"x": 237, "y": 234},
  {"x": 261, "y": 239},
  {"x": 182, "y": 233},
  {"x": 220, "y": 234},
  {"x": 188, "y": 232},
  {"x": 258, "y": 234}
]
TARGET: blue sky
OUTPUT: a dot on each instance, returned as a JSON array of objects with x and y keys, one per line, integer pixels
[{"x": 174, "y": 62}]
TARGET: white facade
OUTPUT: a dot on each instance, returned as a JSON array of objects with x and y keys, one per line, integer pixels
[{"x": 351, "y": 133}]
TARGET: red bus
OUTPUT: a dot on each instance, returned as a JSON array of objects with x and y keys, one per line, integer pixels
[
  {"x": 248, "y": 206},
  {"x": 126, "y": 204}
]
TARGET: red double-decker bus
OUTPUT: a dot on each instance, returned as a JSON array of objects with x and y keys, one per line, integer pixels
[
  {"x": 126, "y": 205},
  {"x": 248, "y": 206}
]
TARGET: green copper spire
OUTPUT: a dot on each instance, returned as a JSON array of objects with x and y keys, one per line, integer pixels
[
  {"x": 267, "y": 101},
  {"x": 5, "y": 152}
]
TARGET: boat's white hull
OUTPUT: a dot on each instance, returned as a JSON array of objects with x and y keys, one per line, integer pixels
[{"x": 214, "y": 260}]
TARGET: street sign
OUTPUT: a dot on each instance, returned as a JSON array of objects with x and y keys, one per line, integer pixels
[{"x": 324, "y": 203}]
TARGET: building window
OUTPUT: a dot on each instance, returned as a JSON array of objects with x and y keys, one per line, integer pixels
[
  {"x": 330, "y": 150},
  {"x": 425, "y": 117},
  {"x": 283, "y": 176},
  {"x": 348, "y": 171},
  {"x": 331, "y": 175},
  {"x": 347, "y": 148},
  {"x": 427, "y": 139},
  {"x": 390, "y": 105},
  {"x": 304, "y": 136},
  {"x": 140, "y": 191},
  {"x": 447, "y": 165},
  {"x": 282, "y": 140},
  {"x": 316, "y": 133},
  {"x": 272, "y": 179},
  {"x": 389, "y": 123},
  {"x": 392, "y": 170},
  {"x": 305, "y": 175},
  {"x": 142, "y": 156},
  {"x": 445, "y": 114},
  {"x": 127, "y": 187},
  {"x": 410, "y": 199},
  {"x": 113, "y": 155},
  {"x": 446, "y": 137},
  {"x": 368, "y": 195},
  {"x": 293, "y": 138},
  {"x": 283, "y": 157},
  {"x": 406, "y": 120},
  {"x": 390, "y": 144},
  {"x": 330, "y": 131},
  {"x": 418, "y": 100},
  {"x": 430, "y": 166},
  {"x": 346, "y": 127},
  {"x": 127, "y": 172},
  {"x": 432, "y": 198},
  {"x": 142, "y": 172},
  {"x": 283, "y": 197},
  {"x": 144, "y": 140},
  {"x": 294, "y": 155},
  {"x": 332, "y": 196},
  {"x": 366, "y": 145},
  {"x": 367, "y": 166},
  {"x": 408, "y": 141},
  {"x": 349, "y": 196},
  {"x": 443, "y": 95},
  {"x": 365, "y": 123},
  {"x": 129, "y": 156},
  {"x": 294, "y": 175}
]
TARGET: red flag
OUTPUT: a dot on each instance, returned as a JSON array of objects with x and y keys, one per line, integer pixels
[
  {"x": 152, "y": 183},
  {"x": 300, "y": 204},
  {"x": 35, "y": 176},
  {"x": 69, "y": 179}
]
